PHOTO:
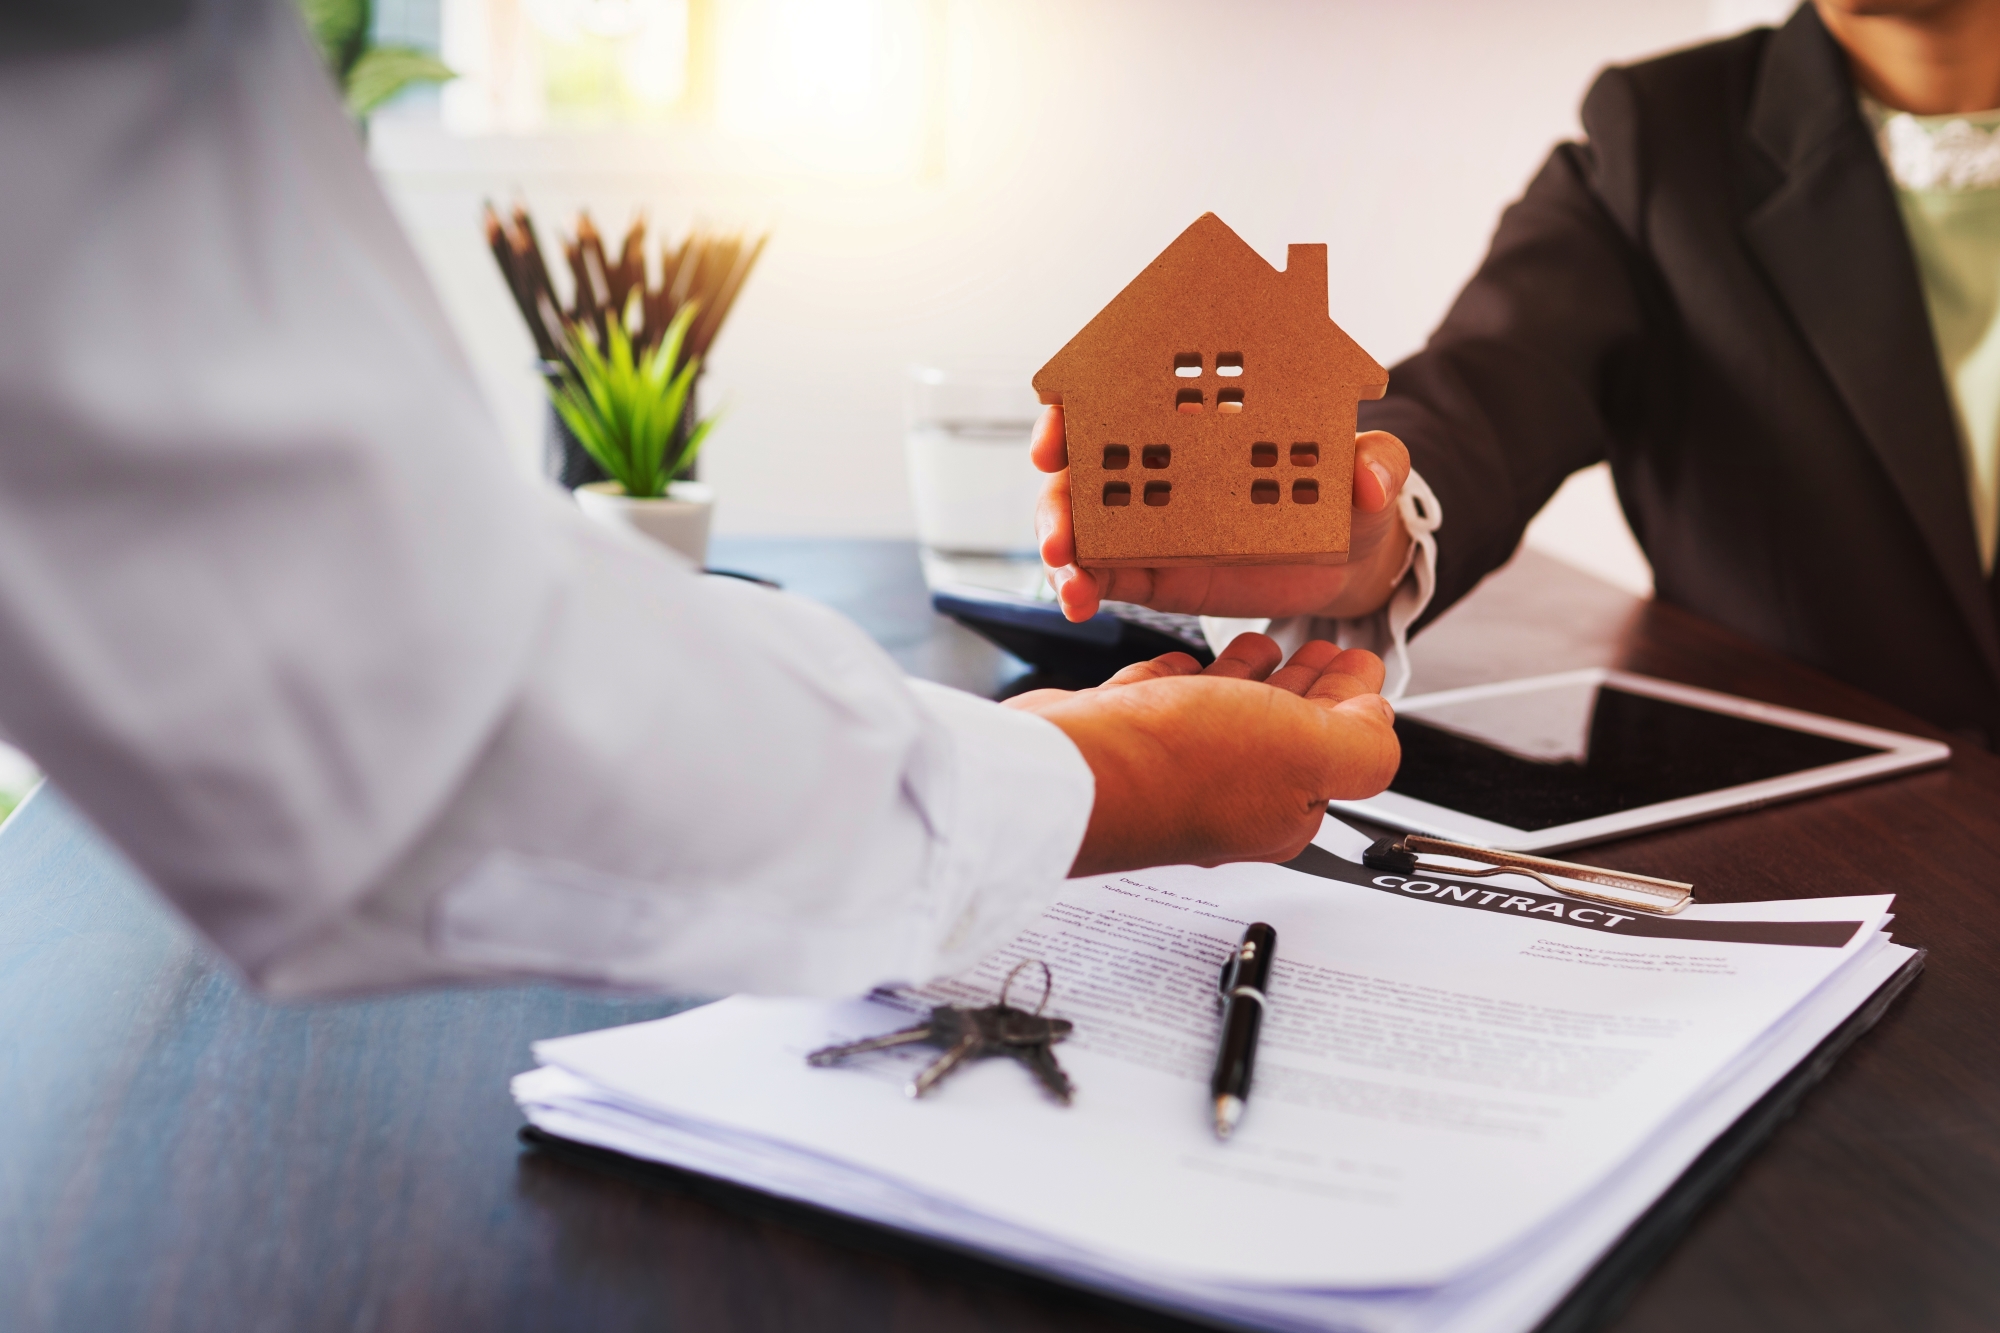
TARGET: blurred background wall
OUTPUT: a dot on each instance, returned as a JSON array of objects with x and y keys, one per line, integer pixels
[{"x": 962, "y": 183}]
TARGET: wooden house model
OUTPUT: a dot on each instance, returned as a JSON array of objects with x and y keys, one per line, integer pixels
[{"x": 1210, "y": 411}]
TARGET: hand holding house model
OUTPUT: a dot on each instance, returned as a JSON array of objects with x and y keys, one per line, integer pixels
[{"x": 1210, "y": 410}]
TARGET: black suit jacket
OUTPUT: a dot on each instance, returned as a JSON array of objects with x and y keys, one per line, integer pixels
[{"x": 1716, "y": 293}]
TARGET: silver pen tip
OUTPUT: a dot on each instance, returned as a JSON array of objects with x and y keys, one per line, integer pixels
[{"x": 1228, "y": 1111}]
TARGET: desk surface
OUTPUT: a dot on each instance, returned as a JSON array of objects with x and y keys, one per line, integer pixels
[{"x": 182, "y": 1155}]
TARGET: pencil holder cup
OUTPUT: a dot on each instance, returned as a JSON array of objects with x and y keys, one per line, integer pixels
[{"x": 564, "y": 458}]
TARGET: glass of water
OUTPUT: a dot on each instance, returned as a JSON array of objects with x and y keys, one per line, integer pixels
[{"x": 970, "y": 479}]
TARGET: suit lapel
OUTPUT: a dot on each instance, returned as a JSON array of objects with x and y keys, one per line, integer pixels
[{"x": 1832, "y": 241}]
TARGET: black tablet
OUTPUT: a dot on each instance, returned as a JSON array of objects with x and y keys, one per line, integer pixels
[{"x": 1554, "y": 761}]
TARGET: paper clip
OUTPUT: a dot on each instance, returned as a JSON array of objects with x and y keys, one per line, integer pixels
[{"x": 1643, "y": 893}]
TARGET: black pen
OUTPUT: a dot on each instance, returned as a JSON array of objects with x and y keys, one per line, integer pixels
[{"x": 1244, "y": 978}]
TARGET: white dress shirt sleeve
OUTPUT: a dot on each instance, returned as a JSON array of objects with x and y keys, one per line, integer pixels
[
  {"x": 372, "y": 710},
  {"x": 1386, "y": 632}
]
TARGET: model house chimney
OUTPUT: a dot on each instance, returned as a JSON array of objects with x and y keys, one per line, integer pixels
[{"x": 1305, "y": 269}]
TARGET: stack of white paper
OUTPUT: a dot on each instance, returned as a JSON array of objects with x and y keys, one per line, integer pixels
[{"x": 1466, "y": 1091}]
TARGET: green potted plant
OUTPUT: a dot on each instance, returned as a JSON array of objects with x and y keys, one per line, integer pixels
[
  {"x": 368, "y": 74},
  {"x": 702, "y": 269},
  {"x": 625, "y": 407}
]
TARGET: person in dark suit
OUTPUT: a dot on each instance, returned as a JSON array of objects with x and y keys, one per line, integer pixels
[{"x": 1721, "y": 293}]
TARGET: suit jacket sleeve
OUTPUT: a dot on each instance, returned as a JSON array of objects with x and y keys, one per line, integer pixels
[
  {"x": 278, "y": 614},
  {"x": 1541, "y": 361}
]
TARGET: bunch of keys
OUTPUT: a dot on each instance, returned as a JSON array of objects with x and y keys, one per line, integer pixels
[{"x": 970, "y": 1034}]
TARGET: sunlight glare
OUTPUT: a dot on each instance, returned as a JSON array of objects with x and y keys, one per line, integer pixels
[{"x": 833, "y": 85}]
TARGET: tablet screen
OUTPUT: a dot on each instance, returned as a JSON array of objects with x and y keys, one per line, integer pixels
[{"x": 1579, "y": 750}]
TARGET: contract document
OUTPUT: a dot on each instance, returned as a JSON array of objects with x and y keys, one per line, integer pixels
[{"x": 1466, "y": 1089}]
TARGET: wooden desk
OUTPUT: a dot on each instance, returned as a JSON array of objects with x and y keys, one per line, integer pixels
[{"x": 182, "y": 1155}]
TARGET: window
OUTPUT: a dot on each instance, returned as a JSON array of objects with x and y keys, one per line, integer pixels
[
  {"x": 1305, "y": 491},
  {"x": 1305, "y": 455},
  {"x": 1116, "y": 457},
  {"x": 1264, "y": 455},
  {"x": 1187, "y": 365},
  {"x": 1188, "y": 400},
  {"x": 1156, "y": 455},
  {"x": 1159, "y": 492},
  {"x": 575, "y": 63},
  {"x": 1263, "y": 492},
  {"x": 1117, "y": 494},
  {"x": 1229, "y": 400},
  {"x": 1229, "y": 363},
  {"x": 851, "y": 87}
]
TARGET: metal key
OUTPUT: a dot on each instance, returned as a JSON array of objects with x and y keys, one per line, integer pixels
[
  {"x": 1041, "y": 1061},
  {"x": 969, "y": 1034},
  {"x": 828, "y": 1055}
]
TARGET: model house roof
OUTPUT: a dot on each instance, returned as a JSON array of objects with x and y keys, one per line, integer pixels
[{"x": 1213, "y": 293}]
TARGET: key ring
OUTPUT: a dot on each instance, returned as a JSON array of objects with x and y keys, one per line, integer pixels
[{"x": 1048, "y": 983}]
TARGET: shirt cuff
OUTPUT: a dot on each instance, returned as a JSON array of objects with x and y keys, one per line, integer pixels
[
  {"x": 1384, "y": 632},
  {"x": 1010, "y": 822}
]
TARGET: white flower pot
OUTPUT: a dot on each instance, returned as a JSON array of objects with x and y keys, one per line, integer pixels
[{"x": 679, "y": 520}]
